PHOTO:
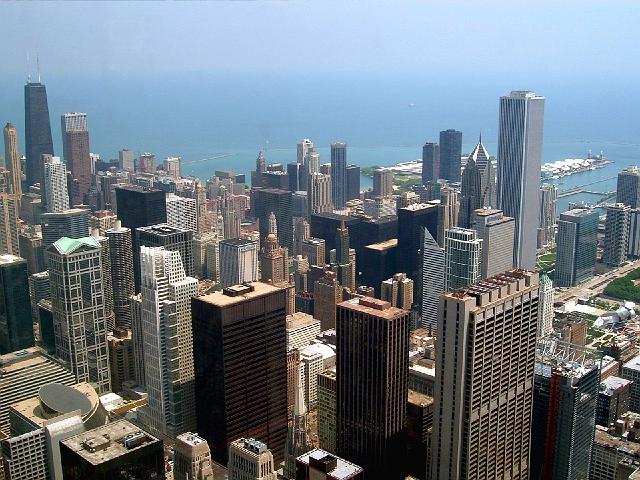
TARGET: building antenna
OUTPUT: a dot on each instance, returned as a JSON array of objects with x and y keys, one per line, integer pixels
[
  {"x": 38, "y": 66},
  {"x": 28, "y": 69}
]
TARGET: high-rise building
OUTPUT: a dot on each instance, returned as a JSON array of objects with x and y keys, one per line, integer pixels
[
  {"x": 166, "y": 293},
  {"x": 327, "y": 395},
  {"x": 9, "y": 216},
  {"x": 382, "y": 182},
  {"x": 339, "y": 174},
  {"x": 71, "y": 223},
  {"x": 327, "y": 294},
  {"x": 448, "y": 211},
  {"x": 633, "y": 249},
  {"x": 319, "y": 198},
  {"x": 433, "y": 284},
  {"x": 116, "y": 450},
  {"x": 171, "y": 166},
  {"x": 192, "y": 458},
  {"x": 16, "y": 324},
  {"x": 299, "y": 434},
  {"x": 102, "y": 220},
  {"x": 519, "y": 156},
  {"x": 471, "y": 198},
  {"x": 37, "y": 130},
  {"x": 75, "y": 141},
  {"x": 450, "y": 154},
  {"x": 79, "y": 309},
  {"x": 182, "y": 212},
  {"x": 482, "y": 414},
  {"x": 577, "y": 243},
  {"x": 278, "y": 202},
  {"x": 353, "y": 182},
  {"x": 628, "y": 187},
  {"x": 171, "y": 238},
  {"x": 372, "y": 366},
  {"x": 430, "y": 162},
  {"x": 398, "y": 291},
  {"x": 462, "y": 258},
  {"x": 305, "y": 146},
  {"x": 496, "y": 232},
  {"x": 320, "y": 464},
  {"x": 547, "y": 216},
  {"x": 229, "y": 362},
  {"x": 121, "y": 252},
  {"x": 314, "y": 250},
  {"x": 12, "y": 160},
  {"x": 345, "y": 259},
  {"x": 146, "y": 163},
  {"x": 39, "y": 289},
  {"x": 121, "y": 358},
  {"x": 274, "y": 261},
  {"x": 250, "y": 459},
  {"x": 238, "y": 261},
  {"x": 545, "y": 306},
  {"x": 565, "y": 395},
  {"x": 56, "y": 197},
  {"x": 616, "y": 235},
  {"x": 126, "y": 161}
]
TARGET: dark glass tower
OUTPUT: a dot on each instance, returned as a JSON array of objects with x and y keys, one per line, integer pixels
[
  {"x": 430, "y": 162},
  {"x": 37, "y": 130},
  {"x": 339, "y": 174},
  {"x": 450, "y": 154},
  {"x": 353, "y": 182},
  {"x": 279, "y": 202},
  {"x": 240, "y": 357},
  {"x": 411, "y": 220},
  {"x": 16, "y": 328}
]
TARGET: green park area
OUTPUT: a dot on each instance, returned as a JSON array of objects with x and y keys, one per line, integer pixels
[
  {"x": 547, "y": 262},
  {"x": 625, "y": 288}
]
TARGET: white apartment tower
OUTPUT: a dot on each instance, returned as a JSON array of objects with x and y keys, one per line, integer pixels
[
  {"x": 462, "y": 257},
  {"x": 519, "y": 155},
  {"x": 182, "y": 212},
  {"x": 239, "y": 261},
  {"x": 80, "y": 315},
  {"x": 56, "y": 197},
  {"x": 319, "y": 193},
  {"x": 433, "y": 284},
  {"x": 166, "y": 294},
  {"x": 496, "y": 232}
]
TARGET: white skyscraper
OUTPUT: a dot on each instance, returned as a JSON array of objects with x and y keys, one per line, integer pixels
[
  {"x": 56, "y": 197},
  {"x": 433, "y": 281},
  {"x": 168, "y": 341},
  {"x": 462, "y": 258},
  {"x": 78, "y": 301},
  {"x": 519, "y": 156},
  {"x": 182, "y": 212},
  {"x": 239, "y": 261},
  {"x": 545, "y": 306},
  {"x": 319, "y": 193}
]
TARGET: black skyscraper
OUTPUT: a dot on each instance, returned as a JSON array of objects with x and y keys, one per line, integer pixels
[
  {"x": 430, "y": 162},
  {"x": 339, "y": 174},
  {"x": 279, "y": 202},
  {"x": 37, "y": 130},
  {"x": 450, "y": 153},
  {"x": 353, "y": 182}
]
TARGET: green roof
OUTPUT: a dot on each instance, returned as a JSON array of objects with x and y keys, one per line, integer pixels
[{"x": 66, "y": 245}]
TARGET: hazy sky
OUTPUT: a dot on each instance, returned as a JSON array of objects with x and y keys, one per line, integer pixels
[{"x": 474, "y": 38}]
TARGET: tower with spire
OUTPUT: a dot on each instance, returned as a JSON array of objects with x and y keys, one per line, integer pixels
[
  {"x": 478, "y": 184},
  {"x": 299, "y": 434},
  {"x": 345, "y": 259}
]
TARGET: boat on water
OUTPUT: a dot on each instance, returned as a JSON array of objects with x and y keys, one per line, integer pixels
[{"x": 570, "y": 166}]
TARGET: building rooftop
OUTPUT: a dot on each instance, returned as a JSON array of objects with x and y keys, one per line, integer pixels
[
  {"x": 343, "y": 469},
  {"x": 66, "y": 245},
  {"x": 137, "y": 188},
  {"x": 6, "y": 258},
  {"x": 239, "y": 242},
  {"x": 381, "y": 246},
  {"x": 162, "y": 229},
  {"x": 108, "y": 442},
  {"x": 611, "y": 385},
  {"x": 318, "y": 348},
  {"x": 417, "y": 398},
  {"x": 238, "y": 293},
  {"x": 633, "y": 364},
  {"x": 418, "y": 206},
  {"x": 374, "y": 307},
  {"x": 300, "y": 319}
]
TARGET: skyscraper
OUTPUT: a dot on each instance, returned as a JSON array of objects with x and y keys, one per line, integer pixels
[
  {"x": 239, "y": 261},
  {"x": 462, "y": 258},
  {"x": 192, "y": 460},
  {"x": 339, "y": 174},
  {"x": 230, "y": 363},
  {"x": 278, "y": 202},
  {"x": 327, "y": 293},
  {"x": 121, "y": 251},
  {"x": 274, "y": 261},
  {"x": 353, "y": 182},
  {"x": 628, "y": 188},
  {"x": 448, "y": 211},
  {"x": 565, "y": 395},
  {"x": 71, "y": 223},
  {"x": 519, "y": 155},
  {"x": 450, "y": 154},
  {"x": 482, "y": 414},
  {"x": 430, "y": 162},
  {"x": 398, "y": 291},
  {"x": 577, "y": 243},
  {"x": 496, "y": 232},
  {"x": 372, "y": 369},
  {"x": 16, "y": 324},
  {"x": 382, "y": 182},
  {"x": 182, "y": 212},
  {"x": 9, "y": 216},
  {"x": 56, "y": 197},
  {"x": 37, "y": 130},
  {"x": 12, "y": 159},
  {"x": 433, "y": 280},
  {"x": 79, "y": 311},
  {"x": 547, "y": 216},
  {"x": 75, "y": 142},
  {"x": 545, "y": 309},
  {"x": 126, "y": 161},
  {"x": 471, "y": 199},
  {"x": 166, "y": 294},
  {"x": 299, "y": 435},
  {"x": 616, "y": 235},
  {"x": 250, "y": 459},
  {"x": 319, "y": 194}
]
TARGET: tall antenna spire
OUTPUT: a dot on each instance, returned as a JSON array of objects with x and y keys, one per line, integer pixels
[
  {"x": 38, "y": 66},
  {"x": 28, "y": 69},
  {"x": 480, "y": 141}
]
